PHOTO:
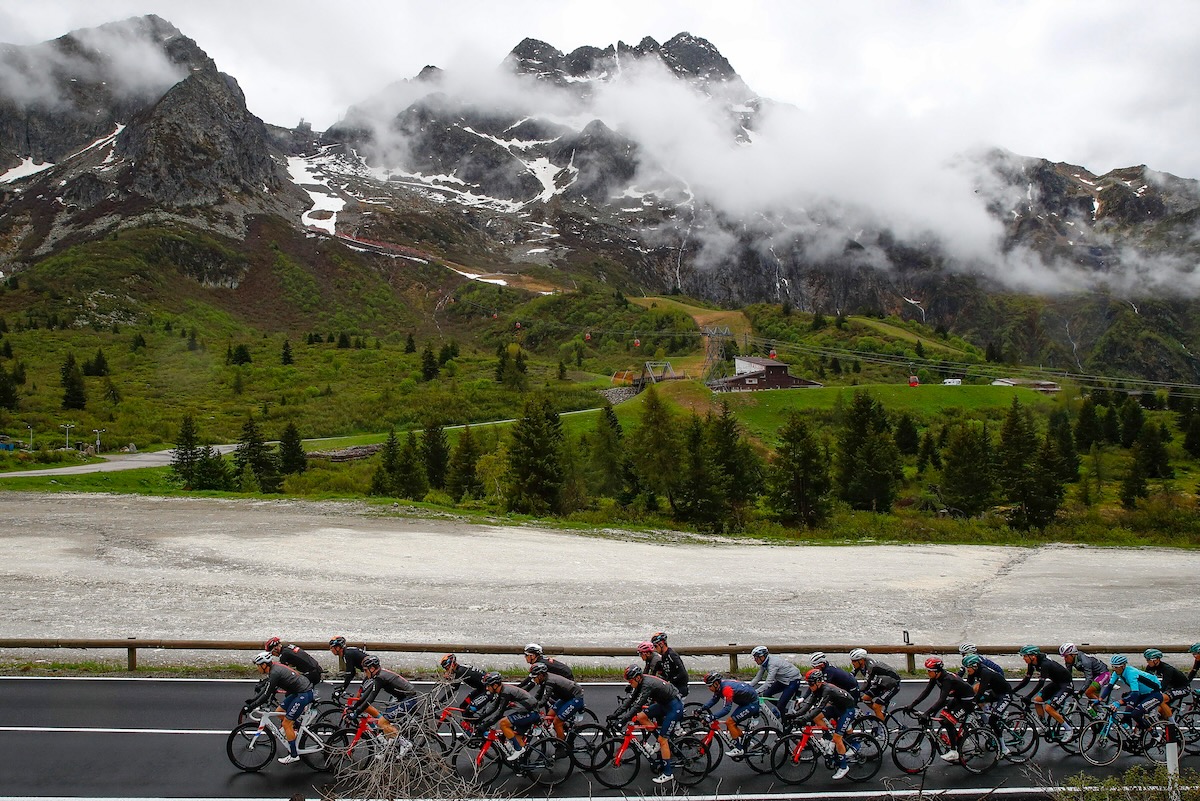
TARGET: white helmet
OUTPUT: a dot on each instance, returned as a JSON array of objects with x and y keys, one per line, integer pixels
[
  {"x": 818, "y": 659},
  {"x": 264, "y": 658},
  {"x": 1067, "y": 648},
  {"x": 968, "y": 648},
  {"x": 857, "y": 654},
  {"x": 533, "y": 648}
]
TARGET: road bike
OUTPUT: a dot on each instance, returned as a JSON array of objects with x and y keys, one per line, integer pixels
[
  {"x": 756, "y": 745},
  {"x": 914, "y": 749},
  {"x": 544, "y": 760},
  {"x": 1106, "y": 738},
  {"x": 1015, "y": 728},
  {"x": 618, "y": 759},
  {"x": 252, "y": 744},
  {"x": 795, "y": 756}
]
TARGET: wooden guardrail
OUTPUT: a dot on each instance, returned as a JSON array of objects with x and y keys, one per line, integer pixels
[{"x": 910, "y": 651}]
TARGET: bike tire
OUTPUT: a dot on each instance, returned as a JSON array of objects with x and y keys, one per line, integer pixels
[
  {"x": 1189, "y": 730},
  {"x": 899, "y": 719},
  {"x": 480, "y": 765},
  {"x": 547, "y": 761},
  {"x": 316, "y": 735},
  {"x": 978, "y": 750},
  {"x": 715, "y": 748},
  {"x": 1078, "y": 719},
  {"x": 585, "y": 716},
  {"x": 1019, "y": 733},
  {"x": 691, "y": 761},
  {"x": 864, "y": 756},
  {"x": 913, "y": 750},
  {"x": 582, "y": 743},
  {"x": 347, "y": 754},
  {"x": 867, "y": 723},
  {"x": 790, "y": 763},
  {"x": 1154, "y": 743},
  {"x": 758, "y": 745},
  {"x": 1101, "y": 742},
  {"x": 249, "y": 749},
  {"x": 616, "y": 766}
]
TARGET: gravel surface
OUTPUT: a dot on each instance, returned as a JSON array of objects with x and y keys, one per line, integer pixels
[{"x": 83, "y": 565}]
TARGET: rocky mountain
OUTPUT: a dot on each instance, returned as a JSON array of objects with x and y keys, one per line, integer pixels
[{"x": 652, "y": 167}]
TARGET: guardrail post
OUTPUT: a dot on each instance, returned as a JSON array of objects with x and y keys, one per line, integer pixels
[
  {"x": 912, "y": 662},
  {"x": 131, "y": 657},
  {"x": 733, "y": 665}
]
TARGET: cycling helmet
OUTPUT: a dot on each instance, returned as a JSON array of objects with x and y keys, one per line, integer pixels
[
  {"x": 814, "y": 677},
  {"x": 1067, "y": 648},
  {"x": 538, "y": 669},
  {"x": 933, "y": 663},
  {"x": 760, "y": 652},
  {"x": 370, "y": 661},
  {"x": 857, "y": 654},
  {"x": 819, "y": 659},
  {"x": 1118, "y": 661},
  {"x": 1029, "y": 650},
  {"x": 1152, "y": 653},
  {"x": 972, "y": 660},
  {"x": 632, "y": 672},
  {"x": 657, "y": 637},
  {"x": 447, "y": 661},
  {"x": 272, "y": 643},
  {"x": 337, "y": 642},
  {"x": 1195, "y": 649},
  {"x": 967, "y": 648},
  {"x": 492, "y": 677},
  {"x": 645, "y": 647},
  {"x": 713, "y": 677},
  {"x": 533, "y": 648},
  {"x": 264, "y": 658}
]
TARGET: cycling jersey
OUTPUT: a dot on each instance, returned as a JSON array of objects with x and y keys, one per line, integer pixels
[
  {"x": 829, "y": 700},
  {"x": 296, "y": 657},
  {"x": 987, "y": 663},
  {"x": 468, "y": 675},
  {"x": 396, "y": 685},
  {"x": 671, "y": 668},
  {"x": 954, "y": 692},
  {"x": 1138, "y": 681},
  {"x": 297, "y": 689},
  {"x": 512, "y": 701},
  {"x": 1195, "y": 669},
  {"x": 555, "y": 688},
  {"x": 774, "y": 669},
  {"x": 555, "y": 667},
  {"x": 1056, "y": 677},
  {"x": 1170, "y": 677},
  {"x": 737, "y": 694},
  {"x": 1091, "y": 668},
  {"x": 875, "y": 672},
  {"x": 992, "y": 685},
  {"x": 353, "y": 658},
  {"x": 840, "y": 678},
  {"x": 651, "y": 690},
  {"x": 652, "y": 660}
]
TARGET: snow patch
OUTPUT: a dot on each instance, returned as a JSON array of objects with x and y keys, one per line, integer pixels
[
  {"x": 24, "y": 170},
  {"x": 303, "y": 175}
]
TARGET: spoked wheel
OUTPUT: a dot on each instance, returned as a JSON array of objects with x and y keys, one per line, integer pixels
[
  {"x": 481, "y": 764},
  {"x": 758, "y": 745},
  {"x": 791, "y": 763},
  {"x": 1019, "y": 738},
  {"x": 978, "y": 750},
  {"x": 1068, "y": 742},
  {"x": 1101, "y": 742},
  {"x": 864, "y": 756},
  {"x": 691, "y": 760},
  {"x": 613, "y": 766},
  {"x": 899, "y": 719},
  {"x": 248, "y": 748},
  {"x": 1189, "y": 730},
  {"x": 346, "y": 753},
  {"x": 582, "y": 744},
  {"x": 913, "y": 750},
  {"x": 547, "y": 761},
  {"x": 1154, "y": 743},
  {"x": 313, "y": 745},
  {"x": 867, "y": 723}
]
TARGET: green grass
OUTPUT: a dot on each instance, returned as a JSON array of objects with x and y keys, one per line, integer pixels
[{"x": 896, "y": 332}]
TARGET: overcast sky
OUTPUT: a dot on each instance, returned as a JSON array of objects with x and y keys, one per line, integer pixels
[{"x": 1098, "y": 83}]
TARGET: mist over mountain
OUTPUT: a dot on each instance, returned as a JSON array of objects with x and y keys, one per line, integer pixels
[{"x": 651, "y": 166}]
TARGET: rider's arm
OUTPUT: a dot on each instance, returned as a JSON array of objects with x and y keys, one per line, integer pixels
[{"x": 924, "y": 694}]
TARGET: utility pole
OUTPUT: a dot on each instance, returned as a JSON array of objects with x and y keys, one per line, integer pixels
[
  {"x": 68, "y": 427},
  {"x": 30, "y": 427},
  {"x": 98, "y": 432}
]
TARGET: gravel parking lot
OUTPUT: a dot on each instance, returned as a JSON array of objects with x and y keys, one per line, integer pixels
[{"x": 81, "y": 565}]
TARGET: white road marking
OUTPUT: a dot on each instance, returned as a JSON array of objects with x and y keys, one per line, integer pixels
[{"x": 98, "y": 730}]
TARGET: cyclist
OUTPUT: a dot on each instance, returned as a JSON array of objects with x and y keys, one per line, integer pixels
[
  {"x": 829, "y": 707},
  {"x": 1095, "y": 672},
  {"x": 665, "y": 705},
  {"x": 881, "y": 682},
  {"x": 1144, "y": 691},
  {"x": 836, "y": 676},
  {"x": 1195, "y": 652},
  {"x": 992, "y": 693},
  {"x": 296, "y": 658},
  {"x": 514, "y": 709},
  {"x": 956, "y": 697},
  {"x": 534, "y": 655},
  {"x": 458, "y": 674},
  {"x": 671, "y": 667},
  {"x": 741, "y": 704},
  {"x": 1047, "y": 699},
  {"x": 353, "y": 659},
  {"x": 563, "y": 695},
  {"x": 1174, "y": 682},
  {"x": 650, "y": 657},
  {"x": 298, "y": 694},
  {"x": 775, "y": 676},
  {"x": 971, "y": 648},
  {"x": 377, "y": 680}
]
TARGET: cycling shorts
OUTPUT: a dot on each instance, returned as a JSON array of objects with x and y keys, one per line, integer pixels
[
  {"x": 1177, "y": 693},
  {"x": 568, "y": 709},
  {"x": 881, "y": 693},
  {"x": 522, "y": 721},
  {"x": 665, "y": 716},
  {"x": 401, "y": 708},
  {"x": 840, "y": 723},
  {"x": 744, "y": 712},
  {"x": 294, "y": 704},
  {"x": 1141, "y": 703},
  {"x": 1054, "y": 695}
]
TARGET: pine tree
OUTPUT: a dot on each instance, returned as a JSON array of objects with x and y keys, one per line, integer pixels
[
  {"x": 8, "y": 391},
  {"x": 928, "y": 455},
  {"x": 605, "y": 470},
  {"x": 1064, "y": 441},
  {"x": 868, "y": 469},
  {"x": 1111, "y": 425},
  {"x": 461, "y": 478},
  {"x": 967, "y": 481},
  {"x": 74, "y": 390},
  {"x": 410, "y": 478},
  {"x": 435, "y": 450},
  {"x": 1156, "y": 462},
  {"x": 97, "y": 366},
  {"x": 907, "y": 438},
  {"x": 1029, "y": 476},
  {"x": 656, "y": 459},
  {"x": 429, "y": 363},
  {"x": 1087, "y": 425},
  {"x": 343, "y": 341},
  {"x": 252, "y": 454},
  {"x": 1132, "y": 420},
  {"x": 535, "y": 467},
  {"x": 1191, "y": 440},
  {"x": 6, "y": 350},
  {"x": 291, "y": 451},
  {"x": 1048, "y": 488},
  {"x": 797, "y": 475},
  {"x": 701, "y": 495},
  {"x": 185, "y": 458},
  {"x": 383, "y": 480},
  {"x": 735, "y": 457},
  {"x": 410, "y": 344},
  {"x": 1133, "y": 485},
  {"x": 285, "y": 357},
  {"x": 212, "y": 471}
]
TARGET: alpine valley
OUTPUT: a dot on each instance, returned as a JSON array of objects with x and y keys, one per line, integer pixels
[{"x": 647, "y": 169}]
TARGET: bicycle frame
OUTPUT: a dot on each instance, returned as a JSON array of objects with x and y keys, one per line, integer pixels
[{"x": 267, "y": 722}]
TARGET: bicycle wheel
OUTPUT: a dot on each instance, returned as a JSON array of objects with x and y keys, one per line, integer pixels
[
  {"x": 691, "y": 760},
  {"x": 1189, "y": 730},
  {"x": 864, "y": 756},
  {"x": 1101, "y": 742},
  {"x": 615, "y": 766},
  {"x": 1154, "y": 743},
  {"x": 480, "y": 764},
  {"x": 452, "y": 737},
  {"x": 1019, "y": 739},
  {"x": 582, "y": 743},
  {"x": 867, "y": 723},
  {"x": 714, "y": 747},
  {"x": 348, "y": 752},
  {"x": 757, "y": 744},
  {"x": 547, "y": 761},
  {"x": 913, "y": 750},
  {"x": 587, "y": 716},
  {"x": 978, "y": 750},
  {"x": 312, "y": 745},
  {"x": 248, "y": 748},
  {"x": 1068, "y": 742},
  {"x": 899, "y": 719},
  {"x": 790, "y": 763}
]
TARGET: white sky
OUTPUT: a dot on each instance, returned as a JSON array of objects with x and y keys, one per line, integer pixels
[{"x": 1099, "y": 83}]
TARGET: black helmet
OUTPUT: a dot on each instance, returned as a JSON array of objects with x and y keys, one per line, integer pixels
[
  {"x": 713, "y": 677},
  {"x": 370, "y": 661},
  {"x": 657, "y": 637},
  {"x": 491, "y": 678},
  {"x": 538, "y": 669},
  {"x": 632, "y": 672},
  {"x": 448, "y": 660},
  {"x": 337, "y": 642},
  {"x": 814, "y": 676}
]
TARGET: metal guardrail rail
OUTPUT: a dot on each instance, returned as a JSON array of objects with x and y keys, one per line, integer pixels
[{"x": 131, "y": 645}]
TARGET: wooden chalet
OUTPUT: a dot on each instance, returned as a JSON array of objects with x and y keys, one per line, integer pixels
[{"x": 752, "y": 373}]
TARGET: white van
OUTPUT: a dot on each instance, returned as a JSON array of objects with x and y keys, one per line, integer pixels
[{"x": 952, "y": 382}]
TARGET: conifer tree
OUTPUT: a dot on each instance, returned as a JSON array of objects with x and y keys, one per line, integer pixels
[
  {"x": 868, "y": 466},
  {"x": 435, "y": 449},
  {"x": 1111, "y": 425},
  {"x": 1087, "y": 425},
  {"x": 1064, "y": 442},
  {"x": 292, "y": 459},
  {"x": 1191, "y": 439},
  {"x": 656, "y": 458},
  {"x": 735, "y": 457},
  {"x": 429, "y": 363},
  {"x": 461, "y": 478},
  {"x": 410, "y": 479},
  {"x": 252, "y": 454},
  {"x": 907, "y": 438},
  {"x": 1133, "y": 484},
  {"x": 212, "y": 471},
  {"x": 535, "y": 465},
  {"x": 410, "y": 344},
  {"x": 797, "y": 475},
  {"x": 605, "y": 455},
  {"x": 185, "y": 457},
  {"x": 1132, "y": 420},
  {"x": 701, "y": 495},
  {"x": 967, "y": 481},
  {"x": 928, "y": 455},
  {"x": 285, "y": 357},
  {"x": 1156, "y": 462},
  {"x": 383, "y": 480},
  {"x": 74, "y": 389}
]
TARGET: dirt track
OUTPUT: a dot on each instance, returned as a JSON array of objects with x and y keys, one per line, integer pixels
[{"x": 121, "y": 566}]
